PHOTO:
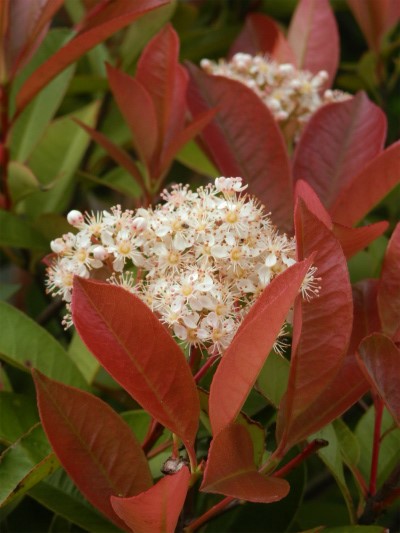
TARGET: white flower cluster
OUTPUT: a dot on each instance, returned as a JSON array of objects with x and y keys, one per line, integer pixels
[
  {"x": 292, "y": 95},
  {"x": 199, "y": 260}
]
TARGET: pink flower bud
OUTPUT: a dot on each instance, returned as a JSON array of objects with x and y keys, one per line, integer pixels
[
  {"x": 75, "y": 218},
  {"x": 100, "y": 253}
]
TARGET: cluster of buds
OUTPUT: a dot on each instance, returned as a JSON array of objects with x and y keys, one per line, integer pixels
[
  {"x": 199, "y": 260},
  {"x": 292, "y": 95}
]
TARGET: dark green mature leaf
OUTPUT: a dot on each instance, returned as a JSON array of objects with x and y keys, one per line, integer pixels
[
  {"x": 25, "y": 463},
  {"x": 58, "y": 493},
  {"x": 17, "y": 233},
  {"x": 193, "y": 157},
  {"x": 34, "y": 347},
  {"x": 18, "y": 415}
]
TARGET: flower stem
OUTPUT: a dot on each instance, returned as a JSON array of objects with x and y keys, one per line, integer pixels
[
  {"x": 378, "y": 404},
  {"x": 154, "y": 432},
  {"x": 311, "y": 448},
  {"x": 214, "y": 511},
  {"x": 205, "y": 367}
]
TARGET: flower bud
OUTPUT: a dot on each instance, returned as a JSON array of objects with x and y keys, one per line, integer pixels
[
  {"x": 139, "y": 224},
  {"x": 75, "y": 218},
  {"x": 58, "y": 246},
  {"x": 100, "y": 253}
]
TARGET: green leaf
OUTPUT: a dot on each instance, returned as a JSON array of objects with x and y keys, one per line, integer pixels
[
  {"x": 355, "y": 529},
  {"x": 59, "y": 494},
  {"x": 52, "y": 226},
  {"x": 34, "y": 347},
  {"x": 273, "y": 378},
  {"x": 18, "y": 415},
  {"x": 389, "y": 452},
  {"x": 86, "y": 363},
  {"x": 58, "y": 155},
  {"x": 25, "y": 463},
  {"x": 17, "y": 233},
  {"x": 31, "y": 124},
  {"x": 332, "y": 457},
  {"x": 22, "y": 181},
  {"x": 139, "y": 421},
  {"x": 348, "y": 443},
  {"x": 117, "y": 180},
  {"x": 193, "y": 157}
]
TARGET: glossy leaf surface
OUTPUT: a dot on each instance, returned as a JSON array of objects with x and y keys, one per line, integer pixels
[
  {"x": 93, "y": 444},
  {"x": 113, "y": 17},
  {"x": 138, "y": 352},
  {"x": 338, "y": 141},
  {"x": 244, "y": 140},
  {"x": 261, "y": 35},
  {"x": 381, "y": 360},
  {"x": 25, "y": 463},
  {"x": 34, "y": 347},
  {"x": 59, "y": 494},
  {"x": 159, "y": 71},
  {"x": 157, "y": 510},
  {"x": 245, "y": 356},
  {"x": 368, "y": 187},
  {"x": 354, "y": 240},
  {"x": 321, "y": 330},
  {"x": 389, "y": 288},
  {"x": 231, "y": 470},
  {"x": 314, "y": 37},
  {"x": 138, "y": 110}
]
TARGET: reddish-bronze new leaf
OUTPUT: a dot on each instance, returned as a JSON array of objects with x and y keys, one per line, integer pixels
[
  {"x": 262, "y": 35},
  {"x": 389, "y": 288},
  {"x": 244, "y": 358},
  {"x": 380, "y": 361},
  {"x": 314, "y": 37},
  {"x": 160, "y": 73},
  {"x": 103, "y": 22},
  {"x": 94, "y": 445},
  {"x": 339, "y": 140},
  {"x": 368, "y": 187},
  {"x": 321, "y": 331},
  {"x": 137, "y": 350},
  {"x": 244, "y": 140},
  {"x": 157, "y": 510},
  {"x": 231, "y": 470}
]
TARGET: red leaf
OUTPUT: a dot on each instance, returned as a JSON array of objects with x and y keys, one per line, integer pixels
[
  {"x": 93, "y": 444},
  {"x": 368, "y": 187},
  {"x": 29, "y": 24},
  {"x": 389, "y": 288},
  {"x": 366, "y": 316},
  {"x": 380, "y": 360},
  {"x": 322, "y": 326},
  {"x": 353, "y": 240},
  {"x": 244, "y": 358},
  {"x": 118, "y": 154},
  {"x": 314, "y": 37},
  {"x": 338, "y": 141},
  {"x": 113, "y": 17},
  {"x": 306, "y": 192},
  {"x": 191, "y": 131},
  {"x": 159, "y": 71},
  {"x": 137, "y": 350},
  {"x": 157, "y": 510},
  {"x": 231, "y": 470},
  {"x": 261, "y": 34},
  {"x": 375, "y": 17},
  {"x": 138, "y": 110},
  {"x": 244, "y": 140}
]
